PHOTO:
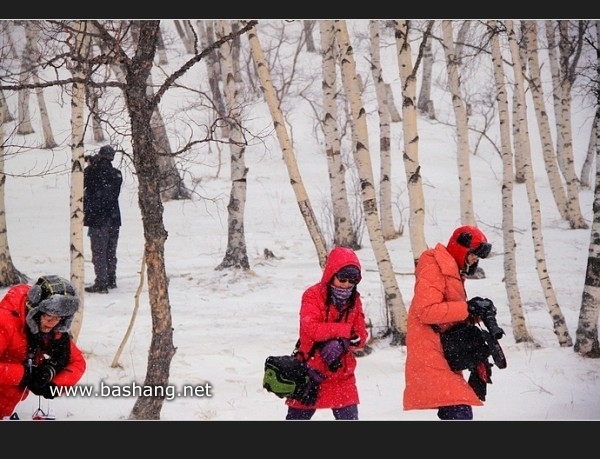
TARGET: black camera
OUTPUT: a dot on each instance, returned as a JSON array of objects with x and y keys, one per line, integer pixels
[
  {"x": 489, "y": 320},
  {"x": 494, "y": 333}
]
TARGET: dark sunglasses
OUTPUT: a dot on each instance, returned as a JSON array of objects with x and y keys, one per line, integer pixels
[{"x": 344, "y": 281}]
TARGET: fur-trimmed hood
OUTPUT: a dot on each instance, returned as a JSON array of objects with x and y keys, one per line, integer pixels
[{"x": 55, "y": 296}]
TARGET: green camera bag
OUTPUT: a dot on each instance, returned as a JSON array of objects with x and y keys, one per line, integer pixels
[{"x": 284, "y": 375}]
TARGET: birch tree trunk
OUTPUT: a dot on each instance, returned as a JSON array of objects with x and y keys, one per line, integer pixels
[
  {"x": 236, "y": 254},
  {"x": 467, "y": 215},
  {"x": 32, "y": 33},
  {"x": 511, "y": 284},
  {"x": 286, "y": 147},
  {"x": 343, "y": 231},
  {"x": 568, "y": 75},
  {"x": 537, "y": 95},
  {"x": 586, "y": 336},
  {"x": 425, "y": 104},
  {"x": 92, "y": 98},
  {"x": 393, "y": 296},
  {"x": 385, "y": 167},
  {"x": 6, "y": 114},
  {"x": 549, "y": 28},
  {"x": 308, "y": 27},
  {"x": 163, "y": 59},
  {"x": 184, "y": 31},
  {"x": 213, "y": 67},
  {"x": 24, "y": 125},
  {"x": 586, "y": 168},
  {"x": 412, "y": 168},
  {"x": 77, "y": 150},
  {"x": 9, "y": 275},
  {"x": 559, "y": 323}
]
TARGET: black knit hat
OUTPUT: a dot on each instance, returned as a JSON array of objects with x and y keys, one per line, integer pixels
[
  {"x": 107, "y": 152},
  {"x": 349, "y": 272}
]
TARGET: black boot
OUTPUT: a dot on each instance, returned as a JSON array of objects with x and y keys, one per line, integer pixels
[{"x": 96, "y": 289}]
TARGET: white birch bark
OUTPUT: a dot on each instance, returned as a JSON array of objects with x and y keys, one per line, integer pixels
[
  {"x": 425, "y": 104},
  {"x": 236, "y": 254},
  {"x": 565, "y": 131},
  {"x": 343, "y": 232},
  {"x": 412, "y": 168},
  {"x": 286, "y": 146},
  {"x": 362, "y": 158},
  {"x": 308, "y": 27},
  {"x": 9, "y": 275},
  {"x": 24, "y": 125},
  {"x": 558, "y": 320},
  {"x": 586, "y": 336},
  {"x": 467, "y": 215},
  {"x": 213, "y": 67},
  {"x": 586, "y": 168},
  {"x": 537, "y": 95},
  {"x": 78, "y": 152},
  {"x": 549, "y": 28},
  {"x": 184, "y": 31},
  {"x": 32, "y": 33},
  {"x": 385, "y": 156},
  {"x": 517, "y": 319},
  {"x": 163, "y": 59}
]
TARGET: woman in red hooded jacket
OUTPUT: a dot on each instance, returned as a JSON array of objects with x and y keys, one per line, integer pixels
[
  {"x": 440, "y": 301},
  {"x": 37, "y": 353},
  {"x": 332, "y": 326}
]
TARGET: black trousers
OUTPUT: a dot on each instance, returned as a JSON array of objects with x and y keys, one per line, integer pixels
[
  {"x": 346, "y": 413},
  {"x": 103, "y": 242}
]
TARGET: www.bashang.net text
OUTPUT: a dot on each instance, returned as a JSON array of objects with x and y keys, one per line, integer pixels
[{"x": 133, "y": 389}]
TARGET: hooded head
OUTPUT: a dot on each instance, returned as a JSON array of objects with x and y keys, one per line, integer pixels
[
  {"x": 106, "y": 152},
  {"x": 468, "y": 239},
  {"x": 51, "y": 295}
]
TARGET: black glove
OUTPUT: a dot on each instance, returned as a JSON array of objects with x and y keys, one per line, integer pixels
[
  {"x": 48, "y": 391},
  {"x": 481, "y": 307},
  {"x": 354, "y": 340},
  {"x": 479, "y": 378},
  {"x": 26, "y": 375},
  {"x": 310, "y": 392},
  {"x": 40, "y": 377}
]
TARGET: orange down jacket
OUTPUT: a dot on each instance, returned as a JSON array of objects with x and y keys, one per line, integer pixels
[
  {"x": 439, "y": 298},
  {"x": 13, "y": 352},
  {"x": 319, "y": 322}
]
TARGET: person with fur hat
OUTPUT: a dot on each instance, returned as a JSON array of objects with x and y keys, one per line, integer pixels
[
  {"x": 102, "y": 215},
  {"x": 37, "y": 353},
  {"x": 332, "y": 326},
  {"x": 440, "y": 302}
]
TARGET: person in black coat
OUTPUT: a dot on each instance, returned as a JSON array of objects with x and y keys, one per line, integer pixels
[{"x": 102, "y": 215}]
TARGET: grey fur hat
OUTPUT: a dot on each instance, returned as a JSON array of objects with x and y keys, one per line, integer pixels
[{"x": 52, "y": 295}]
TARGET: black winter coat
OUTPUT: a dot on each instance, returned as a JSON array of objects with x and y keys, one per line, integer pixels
[{"x": 101, "y": 189}]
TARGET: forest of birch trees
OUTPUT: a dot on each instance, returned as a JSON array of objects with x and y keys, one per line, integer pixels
[{"x": 116, "y": 77}]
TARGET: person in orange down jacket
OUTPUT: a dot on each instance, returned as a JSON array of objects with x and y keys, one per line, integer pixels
[
  {"x": 440, "y": 300},
  {"x": 332, "y": 326},
  {"x": 37, "y": 353}
]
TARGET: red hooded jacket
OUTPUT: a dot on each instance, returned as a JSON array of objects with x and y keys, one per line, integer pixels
[
  {"x": 439, "y": 298},
  {"x": 13, "y": 352},
  {"x": 320, "y": 322}
]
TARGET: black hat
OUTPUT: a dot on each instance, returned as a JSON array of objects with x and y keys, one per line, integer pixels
[
  {"x": 107, "y": 152},
  {"x": 349, "y": 272}
]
